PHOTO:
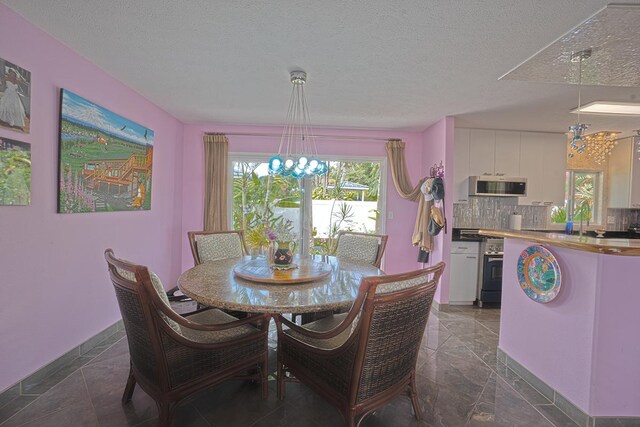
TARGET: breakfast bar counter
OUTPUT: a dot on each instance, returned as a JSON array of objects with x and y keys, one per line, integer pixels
[
  {"x": 581, "y": 346},
  {"x": 629, "y": 247}
]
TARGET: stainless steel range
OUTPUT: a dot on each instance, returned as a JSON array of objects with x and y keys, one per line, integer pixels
[{"x": 490, "y": 275}]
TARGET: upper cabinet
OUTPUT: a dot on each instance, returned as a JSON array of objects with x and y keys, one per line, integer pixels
[
  {"x": 539, "y": 157},
  {"x": 624, "y": 176},
  {"x": 493, "y": 152},
  {"x": 482, "y": 149},
  {"x": 507, "y": 156},
  {"x": 543, "y": 161}
]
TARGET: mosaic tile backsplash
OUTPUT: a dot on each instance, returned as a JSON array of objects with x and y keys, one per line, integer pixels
[{"x": 493, "y": 213}]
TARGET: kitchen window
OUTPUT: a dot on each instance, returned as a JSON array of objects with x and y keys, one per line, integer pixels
[{"x": 583, "y": 198}]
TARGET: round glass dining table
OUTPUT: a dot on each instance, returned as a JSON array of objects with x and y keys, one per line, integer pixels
[{"x": 216, "y": 284}]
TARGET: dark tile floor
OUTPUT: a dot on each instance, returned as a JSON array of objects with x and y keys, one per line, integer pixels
[{"x": 461, "y": 383}]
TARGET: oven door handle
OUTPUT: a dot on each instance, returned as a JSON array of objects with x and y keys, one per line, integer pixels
[{"x": 494, "y": 259}]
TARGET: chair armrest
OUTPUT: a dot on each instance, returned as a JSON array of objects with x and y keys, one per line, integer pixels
[
  {"x": 346, "y": 323},
  {"x": 184, "y": 321}
]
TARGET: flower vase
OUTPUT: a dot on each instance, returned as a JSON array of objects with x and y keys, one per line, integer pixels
[
  {"x": 283, "y": 254},
  {"x": 271, "y": 253}
]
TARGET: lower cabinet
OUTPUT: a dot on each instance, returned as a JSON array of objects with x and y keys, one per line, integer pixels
[{"x": 463, "y": 282}]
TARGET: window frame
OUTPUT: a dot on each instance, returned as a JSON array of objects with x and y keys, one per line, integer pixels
[
  {"x": 598, "y": 201},
  {"x": 264, "y": 158}
]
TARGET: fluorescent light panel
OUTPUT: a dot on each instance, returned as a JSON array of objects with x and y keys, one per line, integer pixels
[{"x": 610, "y": 108}]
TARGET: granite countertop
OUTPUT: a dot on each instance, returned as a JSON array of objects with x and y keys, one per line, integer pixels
[
  {"x": 628, "y": 247},
  {"x": 214, "y": 284}
]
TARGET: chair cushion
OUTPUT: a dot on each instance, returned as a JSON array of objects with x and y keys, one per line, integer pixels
[
  {"x": 214, "y": 316},
  {"x": 212, "y": 247},
  {"x": 358, "y": 248},
  {"x": 157, "y": 286},
  {"x": 321, "y": 325}
]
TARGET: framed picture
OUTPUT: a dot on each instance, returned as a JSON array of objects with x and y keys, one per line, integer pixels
[
  {"x": 15, "y": 97},
  {"x": 15, "y": 172},
  {"x": 105, "y": 160}
]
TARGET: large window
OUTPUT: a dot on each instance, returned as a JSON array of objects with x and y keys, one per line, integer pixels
[
  {"x": 349, "y": 197},
  {"x": 583, "y": 198}
]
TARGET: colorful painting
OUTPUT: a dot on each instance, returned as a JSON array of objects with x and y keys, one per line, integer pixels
[
  {"x": 15, "y": 172},
  {"x": 15, "y": 97},
  {"x": 539, "y": 274},
  {"x": 105, "y": 159}
]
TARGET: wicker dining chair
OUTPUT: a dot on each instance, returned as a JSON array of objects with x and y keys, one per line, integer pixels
[
  {"x": 353, "y": 247},
  {"x": 216, "y": 245},
  {"x": 361, "y": 247},
  {"x": 359, "y": 361},
  {"x": 172, "y": 356}
]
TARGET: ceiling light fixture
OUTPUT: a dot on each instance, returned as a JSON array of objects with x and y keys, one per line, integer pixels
[
  {"x": 600, "y": 144},
  {"x": 610, "y": 108},
  {"x": 300, "y": 157},
  {"x": 577, "y": 143}
]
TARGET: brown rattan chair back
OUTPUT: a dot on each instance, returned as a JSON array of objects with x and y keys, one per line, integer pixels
[
  {"x": 228, "y": 244},
  {"x": 135, "y": 306},
  {"x": 361, "y": 360},
  {"x": 361, "y": 247},
  {"x": 173, "y": 356},
  {"x": 394, "y": 318}
]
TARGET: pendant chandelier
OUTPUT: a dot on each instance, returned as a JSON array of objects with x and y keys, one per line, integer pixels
[
  {"x": 578, "y": 144},
  {"x": 297, "y": 154},
  {"x": 600, "y": 144}
]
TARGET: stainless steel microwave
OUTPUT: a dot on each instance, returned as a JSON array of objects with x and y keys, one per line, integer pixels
[{"x": 497, "y": 185}]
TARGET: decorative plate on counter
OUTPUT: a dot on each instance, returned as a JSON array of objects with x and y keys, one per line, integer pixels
[{"x": 539, "y": 274}]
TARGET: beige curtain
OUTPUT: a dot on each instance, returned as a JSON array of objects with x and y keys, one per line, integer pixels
[
  {"x": 216, "y": 153},
  {"x": 395, "y": 154}
]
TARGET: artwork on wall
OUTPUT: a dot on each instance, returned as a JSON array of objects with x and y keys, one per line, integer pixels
[
  {"x": 15, "y": 172},
  {"x": 15, "y": 97},
  {"x": 105, "y": 160}
]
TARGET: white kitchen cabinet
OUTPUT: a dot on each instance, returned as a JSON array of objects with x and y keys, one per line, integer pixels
[
  {"x": 482, "y": 146},
  {"x": 554, "y": 162},
  {"x": 461, "y": 166},
  {"x": 543, "y": 161},
  {"x": 539, "y": 157},
  {"x": 507, "y": 153},
  {"x": 624, "y": 175},
  {"x": 463, "y": 282}
]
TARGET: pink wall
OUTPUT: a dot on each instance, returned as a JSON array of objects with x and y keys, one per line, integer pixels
[
  {"x": 400, "y": 254},
  {"x": 52, "y": 272},
  {"x": 437, "y": 146},
  {"x": 584, "y": 344}
]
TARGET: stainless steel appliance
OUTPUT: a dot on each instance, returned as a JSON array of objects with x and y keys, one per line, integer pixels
[
  {"x": 490, "y": 275},
  {"x": 497, "y": 185}
]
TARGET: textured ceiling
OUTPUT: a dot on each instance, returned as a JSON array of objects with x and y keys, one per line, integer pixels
[
  {"x": 611, "y": 35},
  {"x": 395, "y": 64}
]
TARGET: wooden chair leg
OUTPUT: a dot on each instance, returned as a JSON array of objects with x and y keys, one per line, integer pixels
[
  {"x": 280, "y": 380},
  {"x": 413, "y": 393},
  {"x": 264, "y": 377},
  {"x": 128, "y": 389},
  {"x": 165, "y": 414}
]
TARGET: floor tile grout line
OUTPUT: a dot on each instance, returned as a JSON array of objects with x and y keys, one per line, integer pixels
[
  {"x": 510, "y": 386},
  {"x": 475, "y": 404},
  {"x": 200, "y": 413},
  {"x": 86, "y": 388},
  {"x": 41, "y": 394}
]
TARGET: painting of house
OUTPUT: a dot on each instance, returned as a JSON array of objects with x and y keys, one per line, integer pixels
[
  {"x": 105, "y": 160},
  {"x": 15, "y": 172}
]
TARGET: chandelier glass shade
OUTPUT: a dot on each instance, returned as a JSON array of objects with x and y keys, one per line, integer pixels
[
  {"x": 599, "y": 145},
  {"x": 297, "y": 154}
]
